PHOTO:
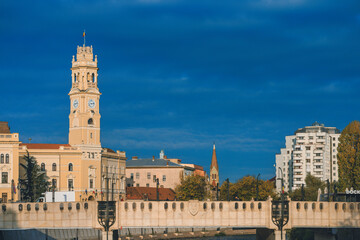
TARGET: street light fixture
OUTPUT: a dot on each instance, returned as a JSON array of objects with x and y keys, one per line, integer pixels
[
  {"x": 257, "y": 187},
  {"x": 157, "y": 188},
  {"x": 280, "y": 217}
]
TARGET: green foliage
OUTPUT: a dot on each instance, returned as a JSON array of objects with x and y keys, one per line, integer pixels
[
  {"x": 192, "y": 187},
  {"x": 245, "y": 189},
  {"x": 311, "y": 189},
  {"x": 349, "y": 157},
  {"x": 34, "y": 182}
]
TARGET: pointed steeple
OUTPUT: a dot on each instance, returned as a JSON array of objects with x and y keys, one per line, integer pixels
[
  {"x": 214, "y": 160},
  {"x": 214, "y": 169}
]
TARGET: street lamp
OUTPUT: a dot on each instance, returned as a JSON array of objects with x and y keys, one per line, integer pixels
[
  {"x": 280, "y": 218},
  {"x": 257, "y": 187},
  {"x": 157, "y": 188},
  {"x": 228, "y": 189}
]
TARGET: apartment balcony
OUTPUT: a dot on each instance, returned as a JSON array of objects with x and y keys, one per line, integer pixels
[
  {"x": 297, "y": 164},
  {"x": 320, "y": 140},
  {"x": 318, "y": 151}
]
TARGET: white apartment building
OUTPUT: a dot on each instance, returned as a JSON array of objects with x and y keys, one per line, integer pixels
[{"x": 311, "y": 150}]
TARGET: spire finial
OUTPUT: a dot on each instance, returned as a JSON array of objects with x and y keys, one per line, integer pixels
[
  {"x": 84, "y": 34},
  {"x": 214, "y": 145}
]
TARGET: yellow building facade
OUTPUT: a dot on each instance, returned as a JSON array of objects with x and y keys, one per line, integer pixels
[
  {"x": 82, "y": 165},
  {"x": 9, "y": 163}
]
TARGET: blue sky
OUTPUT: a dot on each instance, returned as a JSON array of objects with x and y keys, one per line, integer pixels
[{"x": 179, "y": 75}]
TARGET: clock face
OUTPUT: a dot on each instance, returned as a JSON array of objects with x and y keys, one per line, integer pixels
[
  {"x": 91, "y": 103},
  {"x": 75, "y": 103}
]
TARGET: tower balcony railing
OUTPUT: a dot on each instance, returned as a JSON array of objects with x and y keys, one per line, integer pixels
[{"x": 84, "y": 63}]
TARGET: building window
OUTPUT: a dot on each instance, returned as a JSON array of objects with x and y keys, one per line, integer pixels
[
  {"x": 2, "y": 158},
  {"x": 92, "y": 155},
  {"x": 7, "y": 158},
  {"x": 42, "y": 168},
  {"x": 148, "y": 175},
  {"x": 90, "y": 135},
  {"x": 164, "y": 178},
  {"x": 137, "y": 175},
  {"x": 91, "y": 183},
  {"x": 4, "y": 177},
  {"x": 70, "y": 167},
  {"x": 147, "y": 185},
  {"x": 154, "y": 178},
  {"x": 90, "y": 121},
  {"x": 137, "y": 185},
  {"x": 132, "y": 175},
  {"x": 54, "y": 166},
  {"x": 53, "y": 182},
  {"x": 71, "y": 184}
]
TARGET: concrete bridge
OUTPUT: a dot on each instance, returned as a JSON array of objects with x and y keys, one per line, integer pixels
[{"x": 187, "y": 214}]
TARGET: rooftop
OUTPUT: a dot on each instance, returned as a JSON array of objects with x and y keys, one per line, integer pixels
[
  {"x": 317, "y": 127},
  {"x": 149, "y": 162},
  {"x": 44, "y": 145},
  {"x": 149, "y": 193},
  {"x": 4, "y": 127}
]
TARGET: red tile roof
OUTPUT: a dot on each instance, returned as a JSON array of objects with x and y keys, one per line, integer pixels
[
  {"x": 4, "y": 127},
  {"x": 149, "y": 193},
  {"x": 44, "y": 145}
]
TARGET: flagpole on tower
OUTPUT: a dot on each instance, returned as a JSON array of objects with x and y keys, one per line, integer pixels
[{"x": 84, "y": 35}]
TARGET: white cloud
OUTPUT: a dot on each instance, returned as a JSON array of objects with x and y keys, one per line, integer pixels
[{"x": 170, "y": 138}]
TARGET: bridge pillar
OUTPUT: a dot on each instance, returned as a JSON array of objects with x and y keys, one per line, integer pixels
[{"x": 107, "y": 235}]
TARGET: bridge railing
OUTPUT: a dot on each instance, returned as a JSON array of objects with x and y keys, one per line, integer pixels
[{"x": 324, "y": 214}]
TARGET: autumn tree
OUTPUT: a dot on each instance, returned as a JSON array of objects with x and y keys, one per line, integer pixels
[
  {"x": 192, "y": 187},
  {"x": 245, "y": 189},
  {"x": 349, "y": 157},
  {"x": 34, "y": 182},
  {"x": 310, "y": 190}
]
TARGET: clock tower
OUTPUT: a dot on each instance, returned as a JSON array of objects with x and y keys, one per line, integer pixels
[{"x": 84, "y": 117}]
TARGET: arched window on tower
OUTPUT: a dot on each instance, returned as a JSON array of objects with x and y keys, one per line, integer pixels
[
  {"x": 70, "y": 167},
  {"x": 75, "y": 78},
  {"x": 42, "y": 168},
  {"x": 7, "y": 158},
  {"x": 54, "y": 166},
  {"x": 91, "y": 121},
  {"x": 93, "y": 77},
  {"x": 88, "y": 77},
  {"x": 2, "y": 158}
]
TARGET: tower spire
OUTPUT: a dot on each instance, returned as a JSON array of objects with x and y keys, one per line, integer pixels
[{"x": 214, "y": 169}]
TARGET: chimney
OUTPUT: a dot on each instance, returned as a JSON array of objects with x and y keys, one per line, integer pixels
[
  {"x": 153, "y": 158},
  {"x": 134, "y": 158},
  {"x": 167, "y": 163}
]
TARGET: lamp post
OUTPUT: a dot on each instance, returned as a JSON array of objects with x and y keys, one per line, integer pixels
[
  {"x": 228, "y": 189},
  {"x": 302, "y": 192},
  {"x": 280, "y": 218},
  {"x": 157, "y": 188},
  {"x": 257, "y": 187}
]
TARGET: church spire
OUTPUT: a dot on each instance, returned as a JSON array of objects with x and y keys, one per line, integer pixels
[
  {"x": 214, "y": 169},
  {"x": 214, "y": 159}
]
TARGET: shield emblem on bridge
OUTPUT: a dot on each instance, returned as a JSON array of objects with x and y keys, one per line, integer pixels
[{"x": 193, "y": 207}]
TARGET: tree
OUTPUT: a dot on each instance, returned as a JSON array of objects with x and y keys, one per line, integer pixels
[
  {"x": 192, "y": 187},
  {"x": 311, "y": 189},
  {"x": 34, "y": 182},
  {"x": 349, "y": 157},
  {"x": 245, "y": 189}
]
